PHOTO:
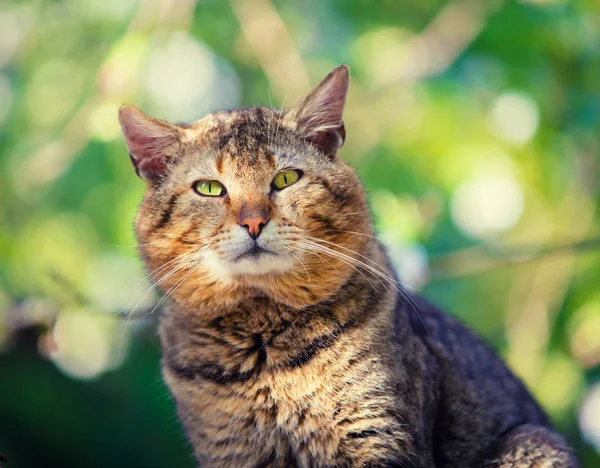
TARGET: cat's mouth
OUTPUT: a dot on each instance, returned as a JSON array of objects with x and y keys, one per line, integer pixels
[
  {"x": 255, "y": 252},
  {"x": 252, "y": 258}
]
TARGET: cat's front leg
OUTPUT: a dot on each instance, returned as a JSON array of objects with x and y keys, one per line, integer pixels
[{"x": 531, "y": 446}]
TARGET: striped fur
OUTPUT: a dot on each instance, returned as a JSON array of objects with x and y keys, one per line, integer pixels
[{"x": 311, "y": 355}]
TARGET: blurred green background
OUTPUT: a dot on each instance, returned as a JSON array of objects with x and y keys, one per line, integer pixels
[{"x": 474, "y": 124}]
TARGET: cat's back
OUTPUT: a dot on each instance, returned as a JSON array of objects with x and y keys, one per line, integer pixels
[{"x": 478, "y": 398}]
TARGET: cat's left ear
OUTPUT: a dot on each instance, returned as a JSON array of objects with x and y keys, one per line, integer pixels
[
  {"x": 319, "y": 115},
  {"x": 152, "y": 143}
]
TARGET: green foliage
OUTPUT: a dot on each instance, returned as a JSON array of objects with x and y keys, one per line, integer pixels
[{"x": 475, "y": 127}]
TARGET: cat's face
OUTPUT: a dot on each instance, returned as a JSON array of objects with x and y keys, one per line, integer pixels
[{"x": 249, "y": 202}]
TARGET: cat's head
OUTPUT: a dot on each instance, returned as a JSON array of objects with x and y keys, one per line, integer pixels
[{"x": 250, "y": 202}]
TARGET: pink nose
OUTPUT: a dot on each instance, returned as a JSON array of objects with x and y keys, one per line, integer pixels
[{"x": 254, "y": 225}]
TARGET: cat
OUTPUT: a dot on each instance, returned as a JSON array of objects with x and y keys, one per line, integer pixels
[{"x": 288, "y": 340}]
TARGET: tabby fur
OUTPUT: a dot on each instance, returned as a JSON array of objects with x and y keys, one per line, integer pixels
[{"x": 311, "y": 356}]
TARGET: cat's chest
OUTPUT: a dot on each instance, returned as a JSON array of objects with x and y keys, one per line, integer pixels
[
  {"x": 264, "y": 399},
  {"x": 291, "y": 417},
  {"x": 291, "y": 402},
  {"x": 297, "y": 415}
]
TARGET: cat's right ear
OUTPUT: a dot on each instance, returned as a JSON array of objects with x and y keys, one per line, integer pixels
[
  {"x": 319, "y": 115},
  {"x": 152, "y": 143}
]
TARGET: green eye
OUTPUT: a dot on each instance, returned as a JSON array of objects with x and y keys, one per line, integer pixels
[
  {"x": 285, "y": 178},
  {"x": 209, "y": 188}
]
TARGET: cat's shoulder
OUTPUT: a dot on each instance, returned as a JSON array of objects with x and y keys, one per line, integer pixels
[{"x": 450, "y": 338}]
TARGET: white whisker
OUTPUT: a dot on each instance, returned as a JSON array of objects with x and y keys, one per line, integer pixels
[
  {"x": 301, "y": 262},
  {"x": 379, "y": 272},
  {"x": 311, "y": 249},
  {"x": 180, "y": 262}
]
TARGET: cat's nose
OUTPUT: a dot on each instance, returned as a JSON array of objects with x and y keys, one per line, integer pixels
[
  {"x": 254, "y": 225},
  {"x": 254, "y": 217}
]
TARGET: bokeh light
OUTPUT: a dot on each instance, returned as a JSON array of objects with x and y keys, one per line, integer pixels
[
  {"x": 101, "y": 122},
  {"x": 185, "y": 80},
  {"x": 584, "y": 330},
  {"x": 589, "y": 416},
  {"x": 84, "y": 344},
  {"x": 514, "y": 117},
  {"x": 475, "y": 127},
  {"x": 485, "y": 207}
]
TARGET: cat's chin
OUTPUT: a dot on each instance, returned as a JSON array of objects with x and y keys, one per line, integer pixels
[
  {"x": 252, "y": 263},
  {"x": 262, "y": 264}
]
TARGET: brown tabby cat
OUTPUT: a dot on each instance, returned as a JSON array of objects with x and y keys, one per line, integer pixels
[{"x": 288, "y": 341}]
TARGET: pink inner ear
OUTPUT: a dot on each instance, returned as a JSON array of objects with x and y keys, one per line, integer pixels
[
  {"x": 138, "y": 141},
  {"x": 146, "y": 140},
  {"x": 330, "y": 141},
  {"x": 147, "y": 155},
  {"x": 323, "y": 111},
  {"x": 152, "y": 168},
  {"x": 319, "y": 115}
]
